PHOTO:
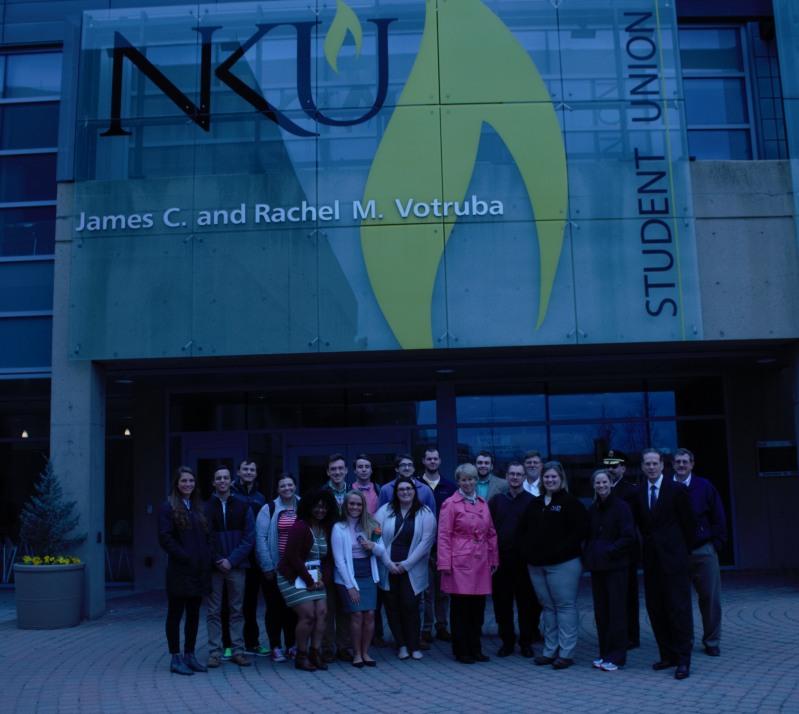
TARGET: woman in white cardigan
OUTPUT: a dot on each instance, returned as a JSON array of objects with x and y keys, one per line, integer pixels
[
  {"x": 356, "y": 547},
  {"x": 408, "y": 533}
]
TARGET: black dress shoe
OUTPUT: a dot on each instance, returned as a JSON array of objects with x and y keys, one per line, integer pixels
[
  {"x": 505, "y": 651},
  {"x": 481, "y": 658},
  {"x": 541, "y": 660},
  {"x": 682, "y": 672},
  {"x": 527, "y": 651},
  {"x": 465, "y": 660},
  {"x": 562, "y": 663},
  {"x": 663, "y": 664},
  {"x": 712, "y": 651},
  {"x": 191, "y": 662}
]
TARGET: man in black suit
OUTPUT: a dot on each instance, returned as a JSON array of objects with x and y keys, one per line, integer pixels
[
  {"x": 666, "y": 522},
  {"x": 616, "y": 464}
]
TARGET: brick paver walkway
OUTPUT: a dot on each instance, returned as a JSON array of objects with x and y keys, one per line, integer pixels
[{"x": 119, "y": 664}]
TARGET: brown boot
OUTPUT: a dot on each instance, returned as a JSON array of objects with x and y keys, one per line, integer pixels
[
  {"x": 315, "y": 657},
  {"x": 301, "y": 662}
]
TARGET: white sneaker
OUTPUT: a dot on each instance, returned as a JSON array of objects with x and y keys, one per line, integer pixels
[
  {"x": 416, "y": 654},
  {"x": 597, "y": 663},
  {"x": 608, "y": 667},
  {"x": 277, "y": 655},
  {"x": 403, "y": 653}
]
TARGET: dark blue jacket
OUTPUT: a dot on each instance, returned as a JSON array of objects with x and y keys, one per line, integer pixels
[
  {"x": 711, "y": 522},
  {"x": 611, "y": 535},
  {"x": 442, "y": 492},
  {"x": 188, "y": 570},
  {"x": 256, "y": 500},
  {"x": 233, "y": 534}
]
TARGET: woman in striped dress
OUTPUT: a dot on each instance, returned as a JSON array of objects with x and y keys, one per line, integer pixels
[{"x": 303, "y": 572}]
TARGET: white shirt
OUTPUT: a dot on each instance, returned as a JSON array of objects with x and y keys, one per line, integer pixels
[
  {"x": 534, "y": 487},
  {"x": 687, "y": 481}
]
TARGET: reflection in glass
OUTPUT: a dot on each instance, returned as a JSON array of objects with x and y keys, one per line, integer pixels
[
  {"x": 26, "y": 342},
  {"x": 27, "y": 231},
  {"x": 505, "y": 443},
  {"x": 715, "y": 100},
  {"x": 26, "y": 286},
  {"x": 27, "y": 178},
  {"x": 596, "y": 406},
  {"x": 501, "y": 408},
  {"x": 32, "y": 75}
]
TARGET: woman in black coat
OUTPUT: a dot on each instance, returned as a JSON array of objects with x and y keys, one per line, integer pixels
[
  {"x": 607, "y": 555},
  {"x": 184, "y": 534}
]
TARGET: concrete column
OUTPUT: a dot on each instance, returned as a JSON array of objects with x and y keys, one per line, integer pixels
[
  {"x": 150, "y": 487},
  {"x": 77, "y": 420}
]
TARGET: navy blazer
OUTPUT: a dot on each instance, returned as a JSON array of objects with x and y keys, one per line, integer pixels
[{"x": 667, "y": 531}]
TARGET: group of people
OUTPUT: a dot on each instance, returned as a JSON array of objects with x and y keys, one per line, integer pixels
[{"x": 429, "y": 550}]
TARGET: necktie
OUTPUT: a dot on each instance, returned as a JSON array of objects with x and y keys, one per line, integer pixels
[{"x": 652, "y": 496}]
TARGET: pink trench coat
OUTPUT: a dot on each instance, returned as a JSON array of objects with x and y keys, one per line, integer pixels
[{"x": 467, "y": 546}]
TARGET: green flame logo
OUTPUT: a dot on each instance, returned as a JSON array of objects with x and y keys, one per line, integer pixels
[
  {"x": 496, "y": 84},
  {"x": 345, "y": 21}
]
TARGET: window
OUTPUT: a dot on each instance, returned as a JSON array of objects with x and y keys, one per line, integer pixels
[
  {"x": 30, "y": 85},
  {"x": 732, "y": 90},
  {"x": 717, "y": 101}
]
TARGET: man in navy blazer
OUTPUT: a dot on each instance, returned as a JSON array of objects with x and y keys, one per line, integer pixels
[
  {"x": 709, "y": 539},
  {"x": 666, "y": 522}
]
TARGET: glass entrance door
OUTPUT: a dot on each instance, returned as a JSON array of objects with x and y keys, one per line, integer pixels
[{"x": 203, "y": 452}]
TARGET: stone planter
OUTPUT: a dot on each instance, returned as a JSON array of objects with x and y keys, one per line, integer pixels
[{"x": 48, "y": 596}]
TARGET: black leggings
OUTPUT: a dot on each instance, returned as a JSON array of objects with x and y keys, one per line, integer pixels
[
  {"x": 279, "y": 617},
  {"x": 402, "y": 608},
  {"x": 173, "y": 615}
]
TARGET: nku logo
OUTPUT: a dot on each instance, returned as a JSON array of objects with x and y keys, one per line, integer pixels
[{"x": 345, "y": 21}]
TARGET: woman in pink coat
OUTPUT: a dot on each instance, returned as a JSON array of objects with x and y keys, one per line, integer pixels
[{"x": 467, "y": 557}]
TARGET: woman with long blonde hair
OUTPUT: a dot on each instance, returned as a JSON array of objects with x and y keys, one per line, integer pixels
[{"x": 356, "y": 574}]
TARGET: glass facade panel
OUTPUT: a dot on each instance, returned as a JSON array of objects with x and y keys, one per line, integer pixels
[
  {"x": 448, "y": 116},
  {"x": 27, "y": 231},
  {"x": 715, "y": 101},
  {"x": 26, "y": 286},
  {"x": 27, "y": 178},
  {"x": 28, "y": 126},
  {"x": 596, "y": 406},
  {"x": 27, "y": 342},
  {"x": 500, "y": 408},
  {"x": 711, "y": 49},
  {"x": 32, "y": 75},
  {"x": 720, "y": 144},
  {"x": 506, "y": 443}
]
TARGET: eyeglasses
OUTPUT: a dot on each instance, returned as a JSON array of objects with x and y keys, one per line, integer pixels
[
  {"x": 406, "y": 466},
  {"x": 406, "y": 489}
]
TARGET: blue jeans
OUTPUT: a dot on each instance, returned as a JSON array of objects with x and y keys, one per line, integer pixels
[{"x": 556, "y": 587}]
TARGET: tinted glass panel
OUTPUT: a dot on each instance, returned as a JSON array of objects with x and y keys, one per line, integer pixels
[
  {"x": 505, "y": 443},
  {"x": 715, "y": 101},
  {"x": 27, "y": 231},
  {"x": 720, "y": 144},
  {"x": 493, "y": 409},
  {"x": 26, "y": 342},
  {"x": 26, "y": 286},
  {"x": 711, "y": 49},
  {"x": 32, "y": 75},
  {"x": 28, "y": 126},
  {"x": 28, "y": 178},
  {"x": 596, "y": 406}
]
